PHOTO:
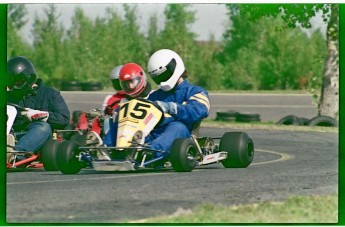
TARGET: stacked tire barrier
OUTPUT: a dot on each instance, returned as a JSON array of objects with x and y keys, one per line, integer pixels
[
  {"x": 320, "y": 120},
  {"x": 234, "y": 116},
  {"x": 81, "y": 86}
]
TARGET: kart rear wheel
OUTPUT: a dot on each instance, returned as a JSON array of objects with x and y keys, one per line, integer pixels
[
  {"x": 49, "y": 153},
  {"x": 80, "y": 139},
  {"x": 240, "y": 149},
  {"x": 67, "y": 160},
  {"x": 183, "y": 155}
]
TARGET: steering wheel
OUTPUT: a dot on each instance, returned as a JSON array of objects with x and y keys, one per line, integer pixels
[{"x": 16, "y": 106}]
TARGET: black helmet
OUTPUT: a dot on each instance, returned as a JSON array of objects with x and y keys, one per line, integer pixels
[{"x": 21, "y": 73}]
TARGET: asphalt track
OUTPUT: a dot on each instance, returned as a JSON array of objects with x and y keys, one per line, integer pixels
[
  {"x": 286, "y": 163},
  {"x": 271, "y": 107}
]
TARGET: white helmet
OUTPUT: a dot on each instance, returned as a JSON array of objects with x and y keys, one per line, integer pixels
[
  {"x": 114, "y": 77},
  {"x": 165, "y": 68}
]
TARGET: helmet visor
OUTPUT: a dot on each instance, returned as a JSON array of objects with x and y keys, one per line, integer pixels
[
  {"x": 164, "y": 73},
  {"x": 130, "y": 86},
  {"x": 20, "y": 81}
]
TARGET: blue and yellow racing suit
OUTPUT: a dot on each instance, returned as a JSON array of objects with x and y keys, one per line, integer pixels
[{"x": 188, "y": 104}]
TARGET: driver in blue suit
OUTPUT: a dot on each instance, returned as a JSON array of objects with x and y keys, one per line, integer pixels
[{"x": 184, "y": 105}]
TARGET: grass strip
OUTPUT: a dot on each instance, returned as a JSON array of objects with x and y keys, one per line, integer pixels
[
  {"x": 297, "y": 209},
  {"x": 266, "y": 126}
]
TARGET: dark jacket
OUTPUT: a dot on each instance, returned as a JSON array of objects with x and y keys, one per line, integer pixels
[{"x": 46, "y": 99}]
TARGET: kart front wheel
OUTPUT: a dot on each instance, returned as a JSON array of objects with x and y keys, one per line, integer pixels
[
  {"x": 240, "y": 149},
  {"x": 49, "y": 153},
  {"x": 67, "y": 159},
  {"x": 183, "y": 155}
]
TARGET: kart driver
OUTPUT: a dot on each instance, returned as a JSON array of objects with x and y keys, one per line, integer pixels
[
  {"x": 133, "y": 82},
  {"x": 46, "y": 110},
  {"x": 185, "y": 104},
  {"x": 111, "y": 102}
]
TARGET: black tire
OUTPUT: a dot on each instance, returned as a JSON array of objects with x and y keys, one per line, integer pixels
[
  {"x": 71, "y": 86},
  {"x": 304, "y": 121},
  {"x": 92, "y": 86},
  {"x": 183, "y": 155},
  {"x": 68, "y": 135},
  {"x": 240, "y": 149},
  {"x": 49, "y": 155},
  {"x": 229, "y": 113},
  {"x": 79, "y": 139},
  {"x": 231, "y": 119},
  {"x": 289, "y": 120},
  {"x": 248, "y": 117},
  {"x": 66, "y": 158},
  {"x": 322, "y": 120}
]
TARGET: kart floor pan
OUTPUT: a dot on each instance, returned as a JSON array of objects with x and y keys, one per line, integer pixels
[{"x": 113, "y": 165}]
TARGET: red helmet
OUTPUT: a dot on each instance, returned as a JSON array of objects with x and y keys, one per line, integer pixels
[{"x": 132, "y": 79}]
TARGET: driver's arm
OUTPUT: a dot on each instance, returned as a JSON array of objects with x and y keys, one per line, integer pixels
[
  {"x": 59, "y": 115},
  {"x": 194, "y": 109}
]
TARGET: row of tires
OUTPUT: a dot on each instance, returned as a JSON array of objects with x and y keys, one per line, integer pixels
[
  {"x": 233, "y": 116},
  {"x": 320, "y": 120},
  {"x": 81, "y": 86}
]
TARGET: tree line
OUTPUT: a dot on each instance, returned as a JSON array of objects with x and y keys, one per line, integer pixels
[{"x": 252, "y": 55}]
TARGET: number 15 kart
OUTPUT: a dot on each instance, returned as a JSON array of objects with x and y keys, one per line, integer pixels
[{"x": 136, "y": 119}]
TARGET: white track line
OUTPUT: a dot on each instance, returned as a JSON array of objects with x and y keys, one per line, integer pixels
[{"x": 283, "y": 157}]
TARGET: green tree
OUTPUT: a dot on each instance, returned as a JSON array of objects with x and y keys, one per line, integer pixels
[
  {"x": 100, "y": 45},
  {"x": 294, "y": 14},
  {"x": 16, "y": 45},
  {"x": 16, "y": 14},
  {"x": 80, "y": 40},
  {"x": 47, "y": 41},
  {"x": 136, "y": 46},
  {"x": 266, "y": 55},
  {"x": 153, "y": 34},
  {"x": 177, "y": 36}
]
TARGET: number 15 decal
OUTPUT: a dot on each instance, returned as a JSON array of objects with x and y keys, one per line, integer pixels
[{"x": 138, "y": 112}]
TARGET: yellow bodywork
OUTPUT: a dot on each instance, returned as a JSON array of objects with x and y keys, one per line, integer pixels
[{"x": 136, "y": 120}]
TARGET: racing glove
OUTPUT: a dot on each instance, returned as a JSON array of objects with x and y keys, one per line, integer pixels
[
  {"x": 166, "y": 107},
  {"x": 35, "y": 115},
  {"x": 108, "y": 110}
]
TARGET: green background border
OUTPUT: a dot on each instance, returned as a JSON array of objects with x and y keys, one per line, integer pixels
[
  {"x": 3, "y": 60},
  {"x": 342, "y": 114}
]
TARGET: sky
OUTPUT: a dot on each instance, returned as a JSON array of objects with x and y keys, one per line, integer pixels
[{"x": 210, "y": 18}]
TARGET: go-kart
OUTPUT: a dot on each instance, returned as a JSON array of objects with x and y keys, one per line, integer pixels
[
  {"x": 18, "y": 159},
  {"x": 45, "y": 158},
  {"x": 82, "y": 122},
  {"x": 136, "y": 119}
]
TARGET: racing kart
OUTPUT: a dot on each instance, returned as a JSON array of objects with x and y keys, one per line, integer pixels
[
  {"x": 136, "y": 119},
  {"x": 18, "y": 159},
  {"x": 45, "y": 158},
  {"x": 82, "y": 122}
]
